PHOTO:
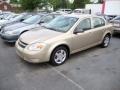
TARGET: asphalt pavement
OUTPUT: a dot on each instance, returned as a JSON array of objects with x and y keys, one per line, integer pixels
[{"x": 94, "y": 69}]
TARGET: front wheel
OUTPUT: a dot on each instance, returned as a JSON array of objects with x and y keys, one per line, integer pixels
[
  {"x": 59, "y": 56},
  {"x": 106, "y": 41}
]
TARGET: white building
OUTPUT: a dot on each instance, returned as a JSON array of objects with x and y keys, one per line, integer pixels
[{"x": 109, "y": 7}]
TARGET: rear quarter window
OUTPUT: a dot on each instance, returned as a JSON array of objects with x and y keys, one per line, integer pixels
[{"x": 98, "y": 22}]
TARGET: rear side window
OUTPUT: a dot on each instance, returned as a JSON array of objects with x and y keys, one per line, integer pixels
[{"x": 98, "y": 22}]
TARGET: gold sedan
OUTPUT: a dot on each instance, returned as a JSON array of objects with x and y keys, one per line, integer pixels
[{"x": 63, "y": 36}]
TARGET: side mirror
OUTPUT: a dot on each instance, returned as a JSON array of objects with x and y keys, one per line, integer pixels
[
  {"x": 21, "y": 20},
  {"x": 78, "y": 31},
  {"x": 41, "y": 22}
]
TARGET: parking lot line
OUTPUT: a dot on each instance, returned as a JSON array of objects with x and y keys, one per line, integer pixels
[{"x": 70, "y": 80}]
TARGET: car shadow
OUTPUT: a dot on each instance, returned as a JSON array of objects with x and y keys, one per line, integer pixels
[
  {"x": 47, "y": 65},
  {"x": 84, "y": 52},
  {"x": 9, "y": 44},
  {"x": 34, "y": 66},
  {"x": 116, "y": 35}
]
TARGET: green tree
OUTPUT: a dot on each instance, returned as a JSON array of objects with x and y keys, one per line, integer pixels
[
  {"x": 80, "y": 3},
  {"x": 29, "y": 4},
  {"x": 63, "y": 4},
  {"x": 100, "y": 1},
  {"x": 55, "y": 3},
  {"x": 14, "y": 1},
  {"x": 59, "y": 4}
]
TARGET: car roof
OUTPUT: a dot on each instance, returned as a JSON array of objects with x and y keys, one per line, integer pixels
[{"x": 78, "y": 16}]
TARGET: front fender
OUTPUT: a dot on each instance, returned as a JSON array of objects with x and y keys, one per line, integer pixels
[{"x": 54, "y": 46}]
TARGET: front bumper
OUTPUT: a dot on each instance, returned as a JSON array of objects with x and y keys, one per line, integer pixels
[
  {"x": 9, "y": 38},
  {"x": 116, "y": 29},
  {"x": 32, "y": 57}
]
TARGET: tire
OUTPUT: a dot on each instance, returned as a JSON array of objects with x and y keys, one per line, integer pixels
[
  {"x": 106, "y": 41},
  {"x": 59, "y": 56}
]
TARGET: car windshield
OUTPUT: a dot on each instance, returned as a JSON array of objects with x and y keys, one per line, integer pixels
[
  {"x": 16, "y": 17},
  {"x": 61, "y": 23},
  {"x": 33, "y": 20},
  {"x": 117, "y": 18},
  {"x": 9, "y": 17}
]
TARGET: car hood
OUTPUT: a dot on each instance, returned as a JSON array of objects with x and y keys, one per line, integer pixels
[
  {"x": 38, "y": 35},
  {"x": 15, "y": 26}
]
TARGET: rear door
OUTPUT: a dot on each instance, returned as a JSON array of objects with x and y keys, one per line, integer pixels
[{"x": 98, "y": 29}]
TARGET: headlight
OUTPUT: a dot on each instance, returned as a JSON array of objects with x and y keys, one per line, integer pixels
[{"x": 36, "y": 47}]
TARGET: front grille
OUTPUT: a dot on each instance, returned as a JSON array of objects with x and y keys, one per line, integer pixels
[{"x": 22, "y": 44}]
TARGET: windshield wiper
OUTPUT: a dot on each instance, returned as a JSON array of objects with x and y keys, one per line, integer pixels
[{"x": 52, "y": 29}]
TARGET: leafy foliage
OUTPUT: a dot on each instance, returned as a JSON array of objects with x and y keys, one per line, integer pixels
[
  {"x": 100, "y": 1},
  {"x": 80, "y": 3},
  {"x": 32, "y": 4},
  {"x": 29, "y": 4},
  {"x": 59, "y": 4},
  {"x": 13, "y": 1}
]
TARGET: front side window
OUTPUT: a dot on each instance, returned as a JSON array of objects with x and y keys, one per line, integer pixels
[
  {"x": 84, "y": 25},
  {"x": 98, "y": 22},
  {"x": 61, "y": 23}
]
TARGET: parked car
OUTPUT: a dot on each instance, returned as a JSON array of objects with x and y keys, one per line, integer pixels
[
  {"x": 4, "y": 15},
  {"x": 116, "y": 24},
  {"x": 9, "y": 16},
  {"x": 12, "y": 32},
  {"x": 12, "y": 19},
  {"x": 65, "y": 35},
  {"x": 82, "y": 11},
  {"x": 7, "y": 19},
  {"x": 106, "y": 17},
  {"x": 64, "y": 11}
]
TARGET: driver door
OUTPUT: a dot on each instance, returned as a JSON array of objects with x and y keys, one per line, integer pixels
[{"x": 82, "y": 39}]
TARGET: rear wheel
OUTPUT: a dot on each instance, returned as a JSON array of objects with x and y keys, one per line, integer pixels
[
  {"x": 106, "y": 41},
  {"x": 59, "y": 56}
]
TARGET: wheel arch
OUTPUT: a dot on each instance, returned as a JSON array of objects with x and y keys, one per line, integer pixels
[
  {"x": 23, "y": 31},
  {"x": 107, "y": 33},
  {"x": 59, "y": 45}
]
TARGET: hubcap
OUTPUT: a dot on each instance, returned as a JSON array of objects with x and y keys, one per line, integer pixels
[
  {"x": 60, "y": 56},
  {"x": 106, "y": 41}
]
